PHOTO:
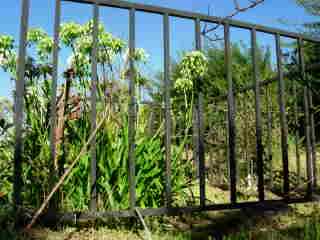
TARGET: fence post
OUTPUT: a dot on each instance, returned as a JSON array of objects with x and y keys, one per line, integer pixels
[
  {"x": 94, "y": 82},
  {"x": 231, "y": 117},
  {"x": 283, "y": 120},
  {"x": 18, "y": 106}
]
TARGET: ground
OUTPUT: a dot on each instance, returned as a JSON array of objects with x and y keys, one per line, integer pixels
[
  {"x": 299, "y": 221},
  {"x": 283, "y": 223}
]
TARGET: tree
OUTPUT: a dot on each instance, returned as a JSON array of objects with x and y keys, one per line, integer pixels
[{"x": 312, "y": 7}]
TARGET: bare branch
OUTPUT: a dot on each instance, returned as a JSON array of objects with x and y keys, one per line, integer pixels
[
  {"x": 209, "y": 13},
  {"x": 238, "y": 9},
  {"x": 215, "y": 39},
  {"x": 236, "y": 4}
]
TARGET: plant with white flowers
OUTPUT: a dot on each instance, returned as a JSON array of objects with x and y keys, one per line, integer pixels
[{"x": 192, "y": 67}]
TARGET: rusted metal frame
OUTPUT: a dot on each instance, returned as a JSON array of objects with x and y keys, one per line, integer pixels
[
  {"x": 283, "y": 120},
  {"x": 259, "y": 146},
  {"x": 200, "y": 124},
  {"x": 167, "y": 87},
  {"x": 20, "y": 92},
  {"x": 94, "y": 82},
  {"x": 231, "y": 117},
  {"x": 18, "y": 104},
  {"x": 310, "y": 180}
]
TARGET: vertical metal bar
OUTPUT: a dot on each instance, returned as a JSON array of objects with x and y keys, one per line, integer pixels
[
  {"x": 259, "y": 146},
  {"x": 313, "y": 138},
  {"x": 269, "y": 133},
  {"x": 283, "y": 120},
  {"x": 53, "y": 104},
  {"x": 307, "y": 120},
  {"x": 202, "y": 180},
  {"x": 195, "y": 139},
  {"x": 94, "y": 82},
  {"x": 132, "y": 111},
  {"x": 231, "y": 116},
  {"x": 296, "y": 123},
  {"x": 308, "y": 144},
  {"x": 166, "y": 36},
  {"x": 18, "y": 109}
]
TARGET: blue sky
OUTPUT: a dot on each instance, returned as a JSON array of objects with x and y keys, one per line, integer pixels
[{"x": 149, "y": 26}]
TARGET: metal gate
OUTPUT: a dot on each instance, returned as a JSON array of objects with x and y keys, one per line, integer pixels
[{"x": 232, "y": 160}]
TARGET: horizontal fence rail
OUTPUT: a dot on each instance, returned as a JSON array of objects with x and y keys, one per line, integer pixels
[
  {"x": 74, "y": 217},
  {"x": 191, "y": 15},
  {"x": 257, "y": 85}
]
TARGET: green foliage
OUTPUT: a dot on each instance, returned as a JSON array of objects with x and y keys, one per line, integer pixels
[
  {"x": 112, "y": 139},
  {"x": 311, "y": 6},
  {"x": 69, "y": 32},
  {"x": 7, "y": 54},
  {"x": 42, "y": 41},
  {"x": 243, "y": 235}
]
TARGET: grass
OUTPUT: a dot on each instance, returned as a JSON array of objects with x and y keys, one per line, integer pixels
[{"x": 300, "y": 221}]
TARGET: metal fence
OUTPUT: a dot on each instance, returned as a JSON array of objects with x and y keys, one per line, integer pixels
[{"x": 258, "y": 84}]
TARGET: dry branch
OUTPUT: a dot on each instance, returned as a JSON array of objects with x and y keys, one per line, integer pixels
[
  {"x": 67, "y": 172},
  {"x": 237, "y": 9}
]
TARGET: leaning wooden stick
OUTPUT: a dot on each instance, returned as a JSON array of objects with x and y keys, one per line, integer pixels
[{"x": 67, "y": 172}]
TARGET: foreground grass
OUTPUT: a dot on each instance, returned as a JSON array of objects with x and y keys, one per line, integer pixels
[
  {"x": 301, "y": 221},
  {"x": 89, "y": 234}
]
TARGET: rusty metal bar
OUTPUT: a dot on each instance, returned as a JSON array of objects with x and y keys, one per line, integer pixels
[
  {"x": 269, "y": 133},
  {"x": 231, "y": 117},
  {"x": 201, "y": 154},
  {"x": 313, "y": 138},
  {"x": 18, "y": 107},
  {"x": 166, "y": 37},
  {"x": 308, "y": 144},
  {"x": 94, "y": 82},
  {"x": 283, "y": 120},
  {"x": 296, "y": 123},
  {"x": 259, "y": 146},
  {"x": 132, "y": 111},
  {"x": 307, "y": 121},
  {"x": 53, "y": 103}
]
